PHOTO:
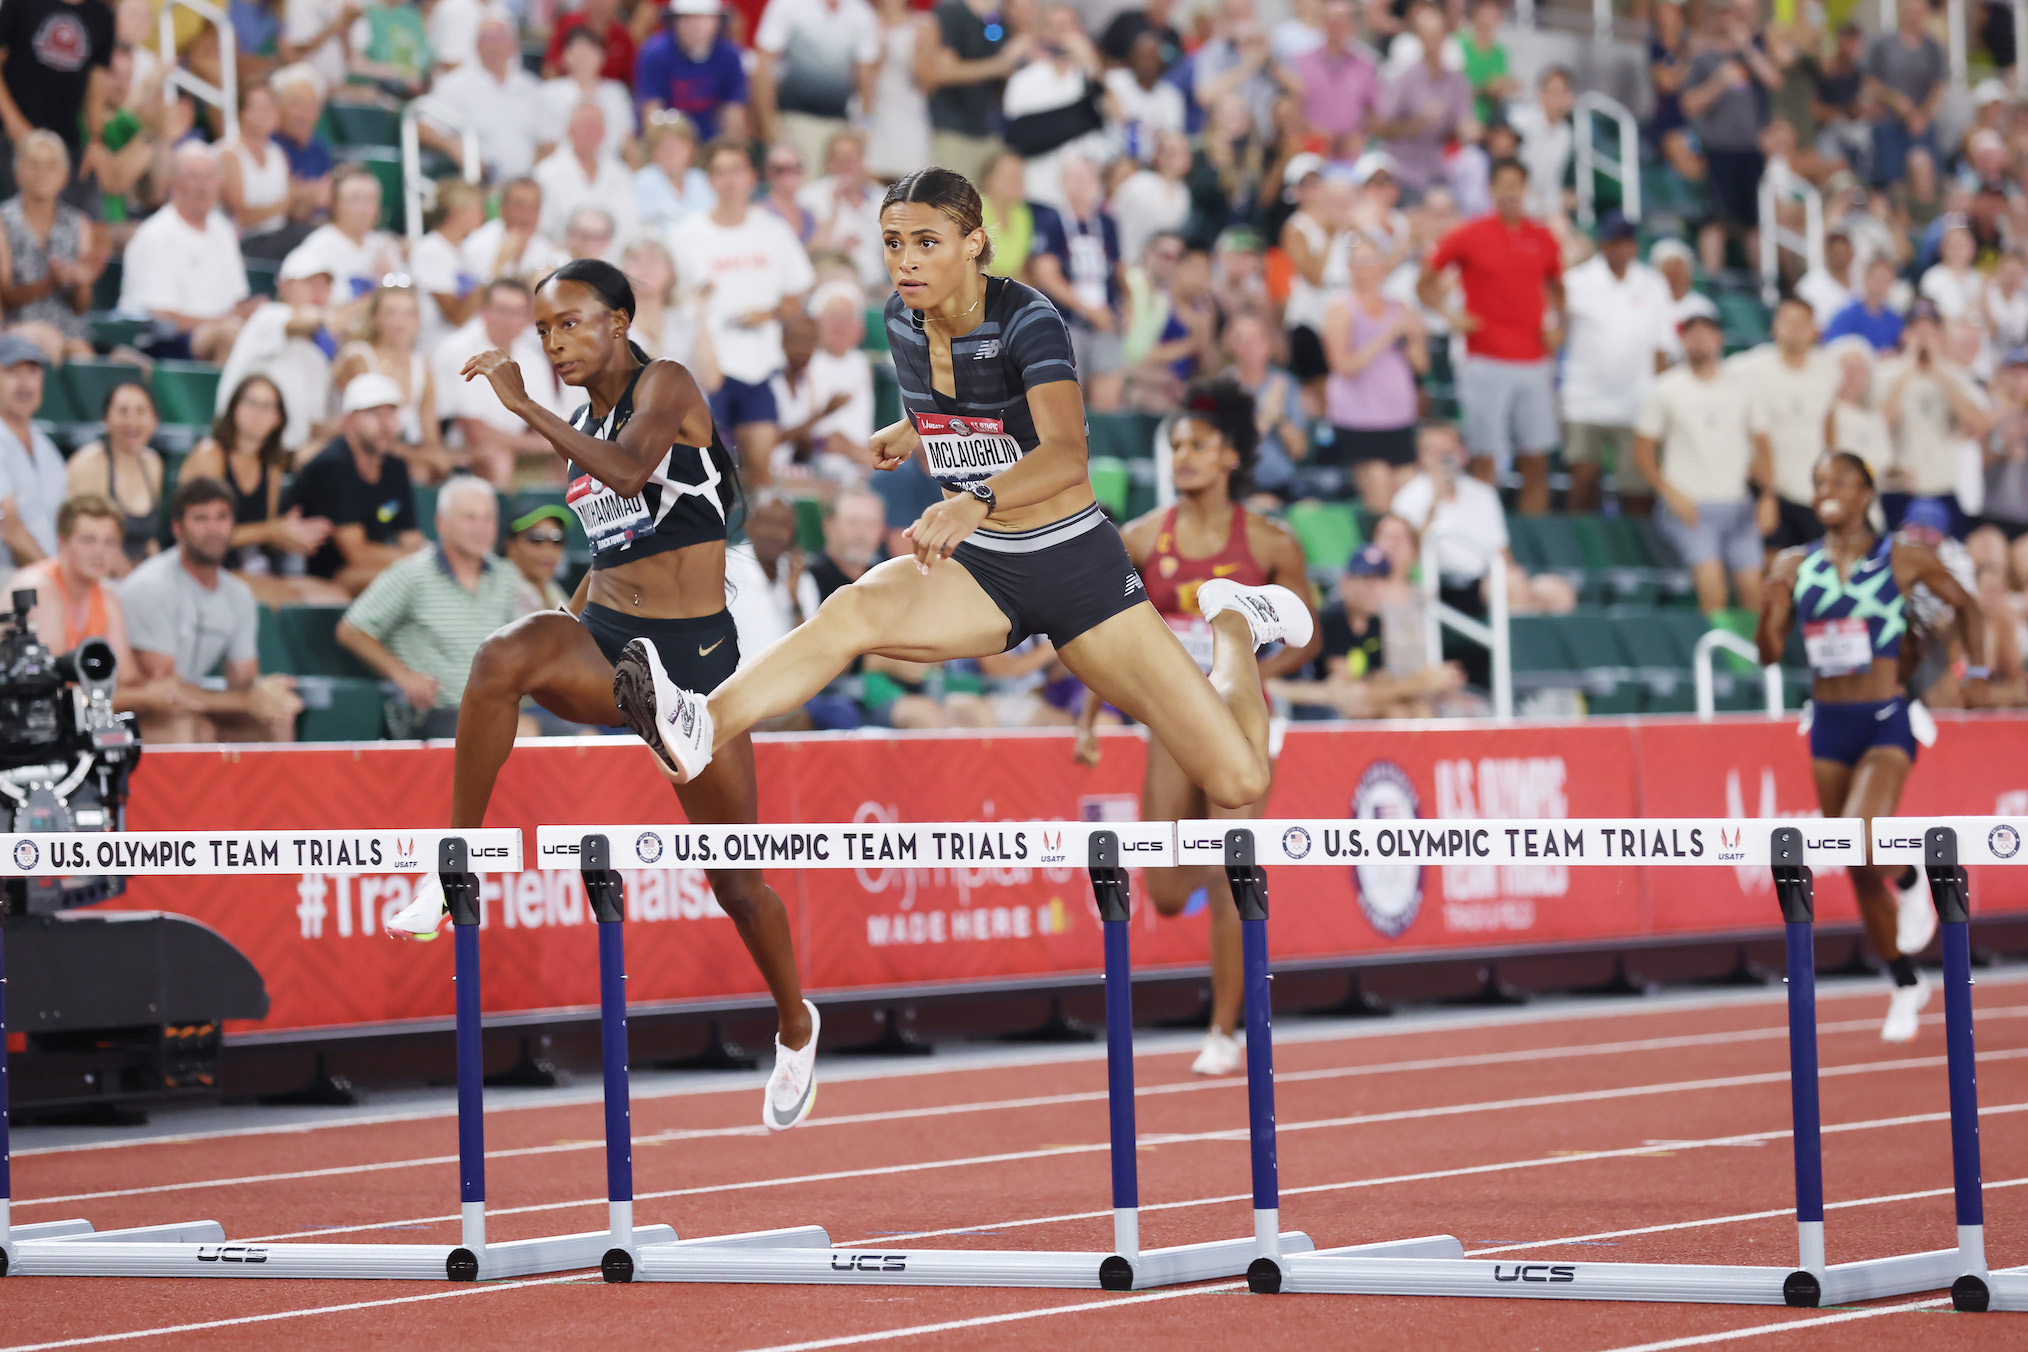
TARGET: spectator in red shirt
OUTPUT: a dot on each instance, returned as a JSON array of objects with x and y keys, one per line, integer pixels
[
  {"x": 603, "y": 18},
  {"x": 1507, "y": 264}
]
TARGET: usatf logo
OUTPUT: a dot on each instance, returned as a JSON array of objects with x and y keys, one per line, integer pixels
[
  {"x": 647, "y": 847},
  {"x": 1389, "y": 894},
  {"x": 1052, "y": 844},
  {"x": 869, "y": 1262},
  {"x": 1729, "y": 839},
  {"x": 404, "y": 847},
  {"x": 1296, "y": 842},
  {"x": 1729, "y": 851},
  {"x": 2004, "y": 841},
  {"x": 26, "y": 855}
]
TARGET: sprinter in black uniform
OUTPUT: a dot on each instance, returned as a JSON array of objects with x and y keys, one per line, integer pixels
[
  {"x": 1017, "y": 547},
  {"x": 653, "y": 485}
]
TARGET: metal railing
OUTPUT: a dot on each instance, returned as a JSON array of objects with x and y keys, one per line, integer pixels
[
  {"x": 416, "y": 186},
  {"x": 1490, "y": 633},
  {"x": 1701, "y": 660},
  {"x": 1775, "y": 237},
  {"x": 175, "y": 78},
  {"x": 1624, "y": 168}
]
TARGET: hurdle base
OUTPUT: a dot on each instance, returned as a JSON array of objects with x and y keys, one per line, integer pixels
[
  {"x": 1976, "y": 1293},
  {"x": 620, "y": 1263},
  {"x": 1265, "y": 1276},
  {"x": 1349, "y": 1273},
  {"x": 105, "y": 1255},
  {"x": 874, "y": 1266}
]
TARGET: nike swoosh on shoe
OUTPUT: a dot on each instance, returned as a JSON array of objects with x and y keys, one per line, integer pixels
[{"x": 783, "y": 1121}]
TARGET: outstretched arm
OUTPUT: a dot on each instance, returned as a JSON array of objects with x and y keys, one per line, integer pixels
[{"x": 668, "y": 407}]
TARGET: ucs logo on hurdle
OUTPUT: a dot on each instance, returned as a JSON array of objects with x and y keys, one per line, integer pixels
[
  {"x": 230, "y": 1253},
  {"x": 1536, "y": 1272},
  {"x": 869, "y": 1262}
]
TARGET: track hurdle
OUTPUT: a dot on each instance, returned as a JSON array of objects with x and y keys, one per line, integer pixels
[
  {"x": 1105, "y": 852},
  {"x": 1788, "y": 850},
  {"x": 1942, "y": 846},
  {"x": 198, "y": 1248}
]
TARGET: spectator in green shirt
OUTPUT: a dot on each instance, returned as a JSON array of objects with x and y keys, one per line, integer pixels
[
  {"x": 1486, "y": 60},
  {"x": 391, "y": 48}
]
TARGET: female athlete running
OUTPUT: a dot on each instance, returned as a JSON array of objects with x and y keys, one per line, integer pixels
[
  {"x": 1206, "y": 535},
  {"x": 994, "y": 408},
  {"x": 1849, "y": 591},
  {"x": 652, "y": 484}
]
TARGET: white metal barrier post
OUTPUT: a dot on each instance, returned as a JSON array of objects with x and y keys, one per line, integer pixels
[
  {"x": 1441, "y": 1269},
  {"x": 198, "y": 1248},
  {"x": 224, "y": 97},
  {"x": 1492, "y": 633},
  {"x": 415, "y": 185},
  {"x": 1106, "y": 851},
  {"x": 1942, "y": 846},
  {"x": 1702, "y": 657},
  {"x": 1623, "y": 167}
]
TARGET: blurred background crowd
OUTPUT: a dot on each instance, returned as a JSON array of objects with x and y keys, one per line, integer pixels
[{"x": 1546, "y": 314}]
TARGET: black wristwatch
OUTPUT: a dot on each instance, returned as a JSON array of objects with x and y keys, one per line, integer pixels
[{"x": 983, "y": 491}]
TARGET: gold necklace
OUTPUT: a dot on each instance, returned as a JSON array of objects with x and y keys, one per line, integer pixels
[{"x": 922, "y": 320}]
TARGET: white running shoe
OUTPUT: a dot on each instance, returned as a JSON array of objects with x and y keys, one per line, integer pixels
[
  {"x": 674, "y": 722},
  {"x": 1219, "y": 1055},
  {"x": 1904, "y": 1009},
  {"x": 1275, "y": 614},
  {"x": 423, "y": 918},
  {"x": 1915, "y": 916},
  {"x": 792, "y": 1089}
]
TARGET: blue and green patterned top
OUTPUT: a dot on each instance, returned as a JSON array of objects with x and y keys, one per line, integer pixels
[{"x": 1869, "y": 594}]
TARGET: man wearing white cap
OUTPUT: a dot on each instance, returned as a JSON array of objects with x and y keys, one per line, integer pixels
[
  {"x": 289, "y": 341},
  {"x": 361, "y": 486},
  {"x": 1672, "y": 258}
]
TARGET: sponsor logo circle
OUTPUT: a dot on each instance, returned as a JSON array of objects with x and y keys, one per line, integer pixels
[
  {"x": 2004, "y": 841},
  {"x": 26, "y": 854},
  {"x": 647, "y": 847},
  {"x": 960, "y": 426},
  {"x": 1389, "y": 894},
  {"x": 1296, "y": 842}
]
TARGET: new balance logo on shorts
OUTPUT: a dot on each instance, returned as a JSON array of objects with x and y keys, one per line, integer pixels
[{"x": 1133, "y": 584}]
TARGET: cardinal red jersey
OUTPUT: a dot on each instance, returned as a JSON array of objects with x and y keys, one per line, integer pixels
[{"x": 1172, "y": 579}]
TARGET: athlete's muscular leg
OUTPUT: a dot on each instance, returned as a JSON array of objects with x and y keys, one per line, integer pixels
[
  {"x": 548, "y": 655},
  {"x": 896, "y": 610},
  {"x": 1168, "y": 795},
  {"x": 727, "y": 792},
  {"x": 1875, "y": 791},
  {"x": 1216, "y": 730}
]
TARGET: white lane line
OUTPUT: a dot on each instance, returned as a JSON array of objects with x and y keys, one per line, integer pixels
[
  {"x": 1786, "y": 1326},
  {"x": 1416, "y": 1024},
  {"x": 1012, "y": 1317},
  {"x": 485, "y": 1289},
  {"x": 1465, "y": 1171},
  {"x": 1228, "y": 1134}
]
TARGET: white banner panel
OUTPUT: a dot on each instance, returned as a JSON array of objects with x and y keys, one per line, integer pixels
[
  {"x": 218, "y": 852},
  {"x": 865, "y": 845},
  {"x": 1981, "y": 840},
  {"x": 1625, "y": 841}
]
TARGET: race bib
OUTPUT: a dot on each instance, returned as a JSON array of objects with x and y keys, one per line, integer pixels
[
  {"x": 1196, "y": 636},
  {"x": 1836, "y": 647},
  {"x": 610, "y": 520},
  {"x": 960, "y": 450}
]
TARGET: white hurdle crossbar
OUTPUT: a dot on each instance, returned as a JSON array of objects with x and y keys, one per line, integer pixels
[
  {"x": 1789, "y": 849},
  {"x": 198, "y": 1248},
  {"x": 1105, "y": 851},
  {"x": 1942, "y": 846}
]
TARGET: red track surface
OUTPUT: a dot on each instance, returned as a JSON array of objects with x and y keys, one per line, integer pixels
[{"x": 1514, "y": 1134}]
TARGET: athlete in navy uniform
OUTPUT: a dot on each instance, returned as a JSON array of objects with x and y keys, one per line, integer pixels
[
  {"x": 652, "y": 484},
  {"x": 1017, "y": 547},
  {"x": 1849, "y": 592}
]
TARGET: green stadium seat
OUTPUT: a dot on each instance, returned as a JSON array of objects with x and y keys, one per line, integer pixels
[
  {"x": 311, "y": 633},
  {"x": 886, "y": 395},
  {"x": 363, "y": 124},
  {"x": 109, "y": 330},
  {"x": 186, "y": 391},
  {"x": 339, "y": 709},
  {"x": 272, "y": 645},
  {"x": 809, "y": 525},
  {"x": 1124, "y": 436},
  {"x": 172, "y": 473},
  {"x": 1605, "y": 668},
  {"x": 260, "y": 275},
  {"x": 90, "y": 381},
  {"x": 1111, "y": 485},
  {"x": 1329, "y": 534},
  {"x": 1140, "y": 496},
  {"x": 1525, "y": 545},
  {"x": 876, "y": 329},
  {"x": 1536, "y": 652},
  {"x": 426, "y": 510}
]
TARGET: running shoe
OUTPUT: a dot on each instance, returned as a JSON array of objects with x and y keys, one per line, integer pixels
[
  {"x": 1275, "y": 614},
  {"x": 1904, "y": 1010},
  {"x": 1915, "y": 916},
  {"x": 1219, "y": 1055},
  {"x": 792, "y": 1089},
  {"x": 674, "y": 722},
  {"x": 423, "y": 918}
]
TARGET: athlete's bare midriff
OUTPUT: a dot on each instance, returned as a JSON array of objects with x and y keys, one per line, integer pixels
[{"x": 678, "y": 584}]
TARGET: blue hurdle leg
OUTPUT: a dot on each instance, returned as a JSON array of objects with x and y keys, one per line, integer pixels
[
  {"x": 461, "y": 889},
  {"x": 609, "y": 907},
  {"x": 1950, "y": 892},
  {"x": 1109, "y": 889}
]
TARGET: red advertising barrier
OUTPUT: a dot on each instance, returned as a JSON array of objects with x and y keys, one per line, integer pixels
[{"x": 317, "y": 939}]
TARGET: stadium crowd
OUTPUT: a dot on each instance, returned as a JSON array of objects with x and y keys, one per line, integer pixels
[{"x": 1363, "y": 214}]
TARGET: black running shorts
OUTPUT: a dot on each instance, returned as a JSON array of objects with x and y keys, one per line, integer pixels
[
  {"x": 1060, "y": 579},
  {"x": 697, "y": 653}
]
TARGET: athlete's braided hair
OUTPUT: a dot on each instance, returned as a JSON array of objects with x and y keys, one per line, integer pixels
[
  {"x": 1227, "y": 409},
  {"x": 948, "y": 191},
  {"x": 616, "y": 293}
]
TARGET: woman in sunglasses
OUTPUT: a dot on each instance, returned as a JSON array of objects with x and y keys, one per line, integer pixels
[{"x": 654, "y": 488}]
